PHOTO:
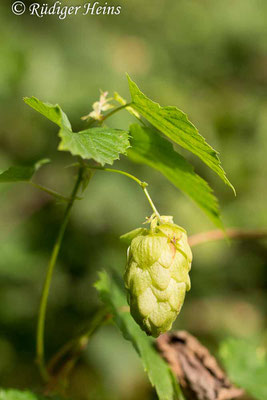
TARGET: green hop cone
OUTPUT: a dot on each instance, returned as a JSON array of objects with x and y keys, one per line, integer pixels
[{"x": 157, "y": 274}]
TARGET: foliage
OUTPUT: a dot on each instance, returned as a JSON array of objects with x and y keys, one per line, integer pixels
[
  {"x": 175, "y": 124},
  {"x": 20, "y": 173},
  {"x": 102, "y": 144},
  {"x": 246, "y": 364},
  {"x": 158, "y": 372}
]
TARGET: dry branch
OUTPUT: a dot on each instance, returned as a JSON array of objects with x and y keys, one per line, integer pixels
[{"x": 197, "y": 370}]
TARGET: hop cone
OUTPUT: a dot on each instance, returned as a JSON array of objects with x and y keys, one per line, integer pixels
[{"x": 156, "y": 276}]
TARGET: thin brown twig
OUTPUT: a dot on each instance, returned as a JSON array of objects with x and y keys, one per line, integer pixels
[{"x": 232, "y": 233}]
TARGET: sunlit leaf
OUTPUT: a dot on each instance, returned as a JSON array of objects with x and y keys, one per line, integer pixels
[
  {"x": 173, "y": 123},
  {"x": 104, "y": 145},
  {"x": 52, "y": 112}
]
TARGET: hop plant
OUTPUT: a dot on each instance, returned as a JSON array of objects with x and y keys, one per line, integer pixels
[{"x": 157, "y": 274}]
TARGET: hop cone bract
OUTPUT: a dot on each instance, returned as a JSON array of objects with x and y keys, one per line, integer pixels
[{"x": 157, "y": 275}]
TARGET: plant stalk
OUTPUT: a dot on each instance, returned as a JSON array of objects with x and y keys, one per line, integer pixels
[
  {"x": 109, "y": 114},
  {"x": 115, "y": 111},
  {"x": 46, "y": 288},
  {"x": 152, "y": 205}
]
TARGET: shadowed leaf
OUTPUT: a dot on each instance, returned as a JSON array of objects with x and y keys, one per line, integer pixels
[
  {"x": 246, "y": 365},
  {"x": 148, "y": 147},
  {"x": 21, "y": 173}
]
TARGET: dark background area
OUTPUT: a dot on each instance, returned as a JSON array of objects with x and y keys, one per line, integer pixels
[{"x": 208, "y": 58}]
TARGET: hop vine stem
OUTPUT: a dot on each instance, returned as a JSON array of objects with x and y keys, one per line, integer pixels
[{"x": 48, "y": 278}]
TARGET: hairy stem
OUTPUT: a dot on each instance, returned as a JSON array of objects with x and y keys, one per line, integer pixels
[
  {"x": 233, "y": 233},
  {"x": 48, "y": 278},
  {"x": 134, "y": 178}
]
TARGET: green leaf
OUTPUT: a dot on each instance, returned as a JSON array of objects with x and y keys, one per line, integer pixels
[
  {"x": 11, "y": 394},
  {"x": 101, "y": 144},
  {"x": 20, "y": 173},
  {"x": 150, "y": 148},
  {"x": 246, "y": 365},
  {"x": 158, "y": 371},
  {"x": 52, "y": 112},
  {"x": 104, "y": 145},
  {"x": 174, "y": 123}
]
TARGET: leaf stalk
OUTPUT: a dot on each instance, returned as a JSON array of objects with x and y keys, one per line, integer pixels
[
  {"x": 134, "y": 178},
  {"x": 109, "y": 114},
  {"x": 115, "y": 111}
]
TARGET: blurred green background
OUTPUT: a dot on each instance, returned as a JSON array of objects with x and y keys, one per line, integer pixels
[{"x": 207, "y": 57}]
